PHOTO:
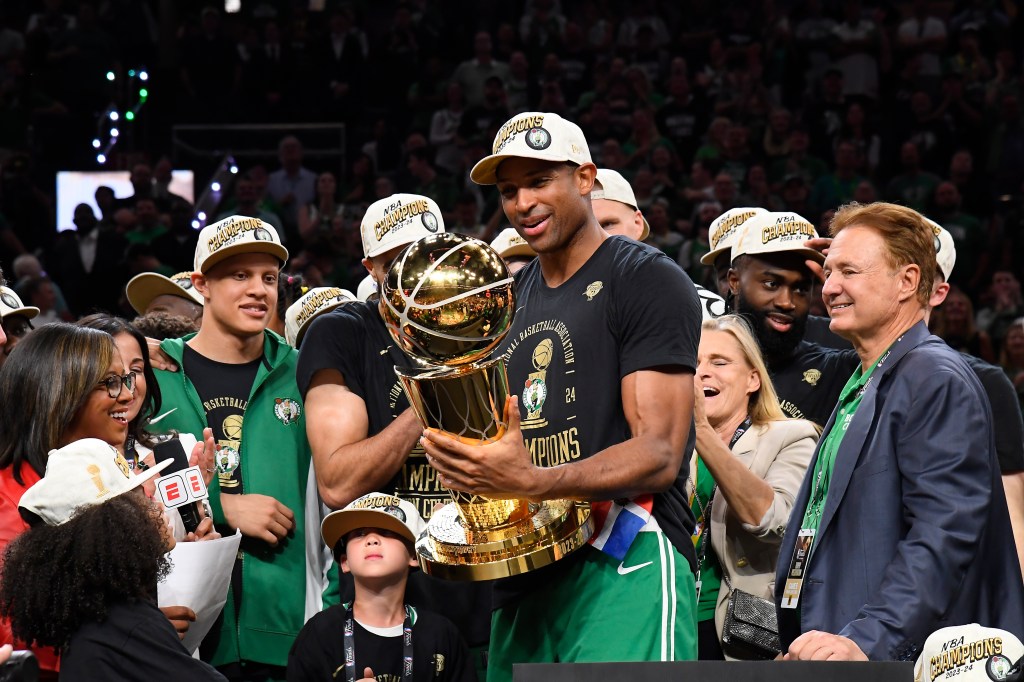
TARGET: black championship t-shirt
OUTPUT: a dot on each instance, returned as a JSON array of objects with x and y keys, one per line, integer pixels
[
  {"x": 224, "y": 390},
  {"x": 353, "y": 340},
  {"x": 628, "y": 308},
  {"x": 438, "y": 653},
  {"x": 810, "y": 382},
  {"x": 1006, "y": 417}
]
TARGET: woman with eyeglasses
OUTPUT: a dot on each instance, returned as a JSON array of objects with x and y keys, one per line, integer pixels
[
  {"x": 143, "y": 412},
  {"x": 62, "y": 383},
  {"x": 142, "y": 435},
  {"x": 131, "y": 347}
]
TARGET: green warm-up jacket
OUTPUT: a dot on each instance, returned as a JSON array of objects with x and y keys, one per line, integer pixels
[{"x": 275, "y": 460}]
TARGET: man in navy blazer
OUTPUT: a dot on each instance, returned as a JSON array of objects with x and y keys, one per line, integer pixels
[{"x": 902, "y": 509}]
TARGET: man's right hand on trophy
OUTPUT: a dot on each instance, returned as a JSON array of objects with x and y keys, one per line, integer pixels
[{"x": 503, "y": 469}]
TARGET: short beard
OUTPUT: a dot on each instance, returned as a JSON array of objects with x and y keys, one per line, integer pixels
[{"x": 775, "y": 345}]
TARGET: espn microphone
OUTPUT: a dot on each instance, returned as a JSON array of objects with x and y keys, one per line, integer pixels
[{"x": 174, "y": 451}]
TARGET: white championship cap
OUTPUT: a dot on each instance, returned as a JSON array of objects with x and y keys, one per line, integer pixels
[
  {"x": 146, "y": 286},
  {"x": 775, "y": 233},
  {"x": 308, "y": 306},
  {"x": 10, "y": 304},
  {"x": 613, "y": 187},
  {"x": 398, "y": 220},
  {"x": 945, "y": 249},
  {"x": 508, "y": 244},
  {"x": 968, "y": 653},
  {"x": 533, "y": 135},
  {"x": 375, "y": 510},
  {"x": 81, "y": 474},
  {"x": 235, "y": 235},
  {"x": 725, "y": 228}
]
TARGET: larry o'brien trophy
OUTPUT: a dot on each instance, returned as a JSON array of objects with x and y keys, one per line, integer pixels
[{"x": 448, "y": 301}]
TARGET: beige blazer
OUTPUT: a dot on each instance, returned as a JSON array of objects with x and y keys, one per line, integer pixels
[{"x": 779, "y": 453}]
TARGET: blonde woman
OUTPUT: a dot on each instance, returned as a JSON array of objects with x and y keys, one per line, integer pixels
[{"x": 749, "y": 464}]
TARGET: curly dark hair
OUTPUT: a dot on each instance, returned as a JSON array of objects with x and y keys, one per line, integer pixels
[{"x": 55, "y": 579}]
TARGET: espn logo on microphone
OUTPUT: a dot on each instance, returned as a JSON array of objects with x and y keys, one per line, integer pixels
[{"x": 182, "y": 487}]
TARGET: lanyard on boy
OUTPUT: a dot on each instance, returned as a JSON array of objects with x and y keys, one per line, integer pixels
[{"x": 350, "y": 646}]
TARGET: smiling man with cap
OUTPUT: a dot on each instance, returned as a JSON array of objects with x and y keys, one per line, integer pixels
[
  {"x": 238, "y": 378},
  {"x": 771, "y": 286},
  {"x": 609, "y": 326},
  {"x": 361, "y": 429}
]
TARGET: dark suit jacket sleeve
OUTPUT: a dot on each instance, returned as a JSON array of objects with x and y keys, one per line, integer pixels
[{"x": 939, "y": 429}]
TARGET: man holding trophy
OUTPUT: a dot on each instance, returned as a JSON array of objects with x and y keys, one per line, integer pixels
[
  {"x": 362, "y": 432},
  {"x": 600, "y": 360}
]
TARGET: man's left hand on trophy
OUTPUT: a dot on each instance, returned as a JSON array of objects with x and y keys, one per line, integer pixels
[{"x": 503, "y": 469}]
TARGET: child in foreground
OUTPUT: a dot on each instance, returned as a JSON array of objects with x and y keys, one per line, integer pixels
[{"x": 377, "y": 636}]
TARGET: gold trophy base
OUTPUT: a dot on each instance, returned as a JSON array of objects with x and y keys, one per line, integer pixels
[{"x": 452, "y": 551}]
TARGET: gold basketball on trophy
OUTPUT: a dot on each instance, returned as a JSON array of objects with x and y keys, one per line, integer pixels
[{"x": 448, "y": 301}]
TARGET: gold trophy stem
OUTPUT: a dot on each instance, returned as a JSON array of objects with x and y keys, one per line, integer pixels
[
  {"x": 482, "y": 538},
  {"x": 467, "y": 403}
]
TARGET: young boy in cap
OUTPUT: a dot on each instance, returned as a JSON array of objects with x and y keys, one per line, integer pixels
[
  {"x": 377, "y": 635},
  {"x": 238, "y": 378}
]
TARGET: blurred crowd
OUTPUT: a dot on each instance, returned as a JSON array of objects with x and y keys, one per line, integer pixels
[{"x": 796, "y": 105}]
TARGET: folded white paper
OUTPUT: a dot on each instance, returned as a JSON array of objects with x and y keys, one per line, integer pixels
[{"x": 199, "y": 580}]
